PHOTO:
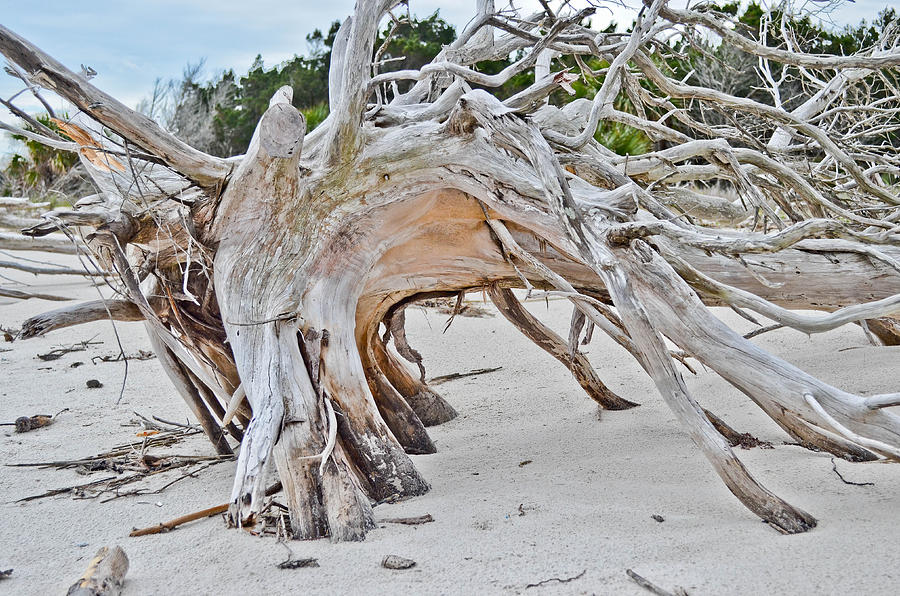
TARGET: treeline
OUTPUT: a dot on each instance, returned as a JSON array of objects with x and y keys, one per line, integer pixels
[{"x": 218, "y": 115}]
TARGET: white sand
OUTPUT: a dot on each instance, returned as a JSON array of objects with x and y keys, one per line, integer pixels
[{"x": 587, "y": 496}]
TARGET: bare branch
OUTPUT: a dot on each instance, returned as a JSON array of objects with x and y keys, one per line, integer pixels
[{"x": 144, "y": 132}]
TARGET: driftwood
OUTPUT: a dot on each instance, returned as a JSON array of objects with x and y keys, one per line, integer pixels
[
  {"x": 653, "y": 588},
  {"x": 22, "y": 203},
  {"x": 17, "y": 213},
  {"x": 12, "y": 221},
  {"x": 146, "y": 466},
  {"x": 105, "y": 575},
  {"x": 409, "y": 521},
  {"x": 24, "y": 295},
  {"x": 46, "y": 270},
  {"x": 84, "y": 312},
  {"x": 56, "y": 243},
  {"x": 265, "y": 286},
  {"x": 453, "y": 376},
  {"x": 510, "y": 307},
  {"x": 183, "y": 519}
]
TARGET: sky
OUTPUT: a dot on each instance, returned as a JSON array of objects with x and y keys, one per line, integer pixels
[{"x": 132, "y": 43}]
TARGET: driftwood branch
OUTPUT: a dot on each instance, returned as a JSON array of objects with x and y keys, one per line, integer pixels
[{"x": 139, "y": 129}]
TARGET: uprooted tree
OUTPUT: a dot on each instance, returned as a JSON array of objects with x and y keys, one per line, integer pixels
[{"x": 273, "y": 283}]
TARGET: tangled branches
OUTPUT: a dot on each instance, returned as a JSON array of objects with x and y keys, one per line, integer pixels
[{"x": 264, "y": 279}]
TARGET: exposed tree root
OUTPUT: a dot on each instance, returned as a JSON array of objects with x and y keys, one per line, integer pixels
[{"x": 264, "y": 279}]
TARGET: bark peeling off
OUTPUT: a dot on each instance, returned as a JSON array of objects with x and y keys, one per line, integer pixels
[{"x": 265, "y": 279}]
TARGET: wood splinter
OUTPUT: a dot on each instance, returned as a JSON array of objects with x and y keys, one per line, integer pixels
[{"x": 105, "y": 574}]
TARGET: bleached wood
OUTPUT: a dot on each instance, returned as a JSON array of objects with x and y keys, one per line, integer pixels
[
  {"x": 84, "y": 312},
  {"x": 264, "y": 279},
  {"x": 55, "y": 243}
]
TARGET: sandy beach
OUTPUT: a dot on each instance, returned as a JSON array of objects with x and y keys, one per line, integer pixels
[{"x": 533, "y": 490}]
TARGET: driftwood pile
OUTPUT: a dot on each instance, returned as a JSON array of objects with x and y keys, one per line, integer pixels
[{"x": 273, "y": 284}]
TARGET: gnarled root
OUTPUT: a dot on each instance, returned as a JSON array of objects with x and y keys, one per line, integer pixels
[
  {"x": 398, "y": 415},
  {"x": 775, "y": 385},
  {"x": 182, "y": 379},
  {"x": 510, "y": 307},
  {"x": 431, "y": 408},
  {"x": 659, "y": 365},
  {"x": 290, "y": 413},
  {"x": 886, "y": 329},
  {"x": 370, "y": 443}
]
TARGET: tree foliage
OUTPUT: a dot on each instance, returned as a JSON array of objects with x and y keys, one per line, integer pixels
[{"x": 41, "y": 171}]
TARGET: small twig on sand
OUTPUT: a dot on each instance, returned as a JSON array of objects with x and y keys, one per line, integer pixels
[
  {"x": 653, "y": 588},
  {"x": 68, "y": 489},
  {"x": 844, "y": 480},
  {"x": 23, "y": 295},
  {"x": 157, "y": 423},
  {"x": 57, "y": 353},
  {"x": 298, "y": 563},
  {"x": 146, "y": 423},
  {"x": 557, "y": 579},
  {"x": 171, "y": 525},
  {"x": 762, "y": 330},
  {"x": 178, "y": 424},
  {"x": 211, "y": 511},
  {"x": 454, "y": 376},
  {"x": 141, "y": 491},
  {"x": 164, "y": 439},
  {"x": 147, "y": 466},
  {"x": 409, "y": 521},
  {"x": 139, "y": 355}
]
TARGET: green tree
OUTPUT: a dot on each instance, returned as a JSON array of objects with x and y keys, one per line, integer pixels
[{"x": 40, "y": 171}]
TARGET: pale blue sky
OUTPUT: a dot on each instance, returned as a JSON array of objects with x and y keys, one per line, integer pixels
[{"x": 131, "y": 43}]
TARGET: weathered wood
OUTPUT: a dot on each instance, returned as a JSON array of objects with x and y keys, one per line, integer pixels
[
  {"x": 105, "y": 575},
  {"x": 58, "y": 244},
  {"x": 24, "y": 295},
  {"x": 49, "y": 270},
  {"x": 22, "y": 203},
  {"x": 429, "y": 406},
  {"x": 84, "y": 312},
  {"x": 886, "y": 329},
  {"x": 203, "y": 513},
  {"x": 180, "y": 377},
  {"x": 775, "y": 385},
  {"x": 755, "y": 497},
  {"x": 16, "y": 222},
  {"x": 271, "y": 273},
  {"x": 510, "y": 307},
  {"x": 398, "y": 415}
]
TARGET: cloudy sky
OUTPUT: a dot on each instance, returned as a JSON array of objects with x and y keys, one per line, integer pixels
[{"x": 132, "y": 43}]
